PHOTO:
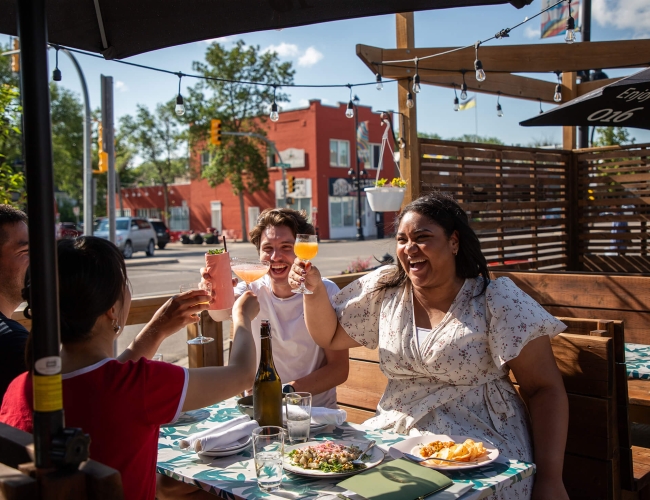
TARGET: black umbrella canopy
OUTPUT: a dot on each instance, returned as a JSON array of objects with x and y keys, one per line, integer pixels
[
  {"x": 123, "y": 28},
  {"x": 625, "y": 103}
]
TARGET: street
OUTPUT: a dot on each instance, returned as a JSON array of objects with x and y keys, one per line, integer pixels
[{"x": 177, "y": 264}]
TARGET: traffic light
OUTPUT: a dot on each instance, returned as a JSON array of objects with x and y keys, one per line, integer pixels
[
  {"x": 103, "y": 155},
  {"x": 215, "y": 132},
  {"x": 15, "y": 58},
  {"x": 291, "y": 184}
]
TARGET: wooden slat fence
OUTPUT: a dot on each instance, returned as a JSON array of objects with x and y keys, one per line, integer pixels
[
  {"x": 614, "y": 208},
  {"x": 516, "y": 198}
]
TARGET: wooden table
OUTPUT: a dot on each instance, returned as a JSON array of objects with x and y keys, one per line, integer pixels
[{"x": 234, "y": 476}]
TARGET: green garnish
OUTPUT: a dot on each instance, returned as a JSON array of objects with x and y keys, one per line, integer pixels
[{"x": 216, "y": 251}]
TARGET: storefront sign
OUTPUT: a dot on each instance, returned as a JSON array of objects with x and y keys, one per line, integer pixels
[
  {"x": 339, "y": 186},
  {"x": 294, "y": 157}
]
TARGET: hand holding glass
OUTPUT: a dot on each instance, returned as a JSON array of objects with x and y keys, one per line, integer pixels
[
  {"x": 249, "y": 270},
  {"x": 268, "y": 450},
  {"x": 305, "y": 248},
  {"x": 207, "y": 286}
]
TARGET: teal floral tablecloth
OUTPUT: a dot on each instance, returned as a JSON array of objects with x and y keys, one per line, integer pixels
[
  {"x": 637, "y": 359},
  {"x": 233, "y": 477}
]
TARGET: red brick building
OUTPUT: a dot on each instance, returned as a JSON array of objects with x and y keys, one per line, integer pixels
[{"x": 319, "y": 143}]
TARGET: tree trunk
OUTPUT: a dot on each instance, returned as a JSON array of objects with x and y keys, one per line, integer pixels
[
  {"x": 242, "y": 210},
  {"x": 119, "y": 193},
  {"x": 165, "y": 215}
]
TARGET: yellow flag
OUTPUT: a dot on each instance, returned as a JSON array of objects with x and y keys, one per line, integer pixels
[{"x": 469, "y": 104}]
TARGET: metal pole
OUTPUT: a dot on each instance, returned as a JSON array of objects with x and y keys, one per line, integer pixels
[
  {"x": 88, "y": 166},
  {"x": 109, "y": 147},
  {"x": 356, "y": 157},
  {"x": 585, "y": 28},
  {"x": 37, "y": 136}
]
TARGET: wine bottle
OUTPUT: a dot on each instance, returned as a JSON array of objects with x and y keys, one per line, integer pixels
[{"x": 267, "y": 389}]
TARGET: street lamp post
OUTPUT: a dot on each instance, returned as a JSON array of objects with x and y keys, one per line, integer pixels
[{"x": 359, "y": 173}]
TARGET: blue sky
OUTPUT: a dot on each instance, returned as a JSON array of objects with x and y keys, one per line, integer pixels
[{"x": 325, "y": 54}]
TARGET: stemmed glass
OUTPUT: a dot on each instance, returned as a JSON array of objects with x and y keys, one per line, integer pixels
[
  {"x": 305, "y": 248},
  {"x": 249, "y": 270},
  {"x": 207, "y": 286}
]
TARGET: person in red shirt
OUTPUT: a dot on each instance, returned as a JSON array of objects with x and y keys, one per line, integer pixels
[{"x": 122, "y": 402}]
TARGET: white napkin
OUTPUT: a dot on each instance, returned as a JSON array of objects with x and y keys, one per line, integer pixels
[
  {"x": 220, "y": 427},
  {"x": 225, "y": 438},
  {"x": 329, "y": 416}
]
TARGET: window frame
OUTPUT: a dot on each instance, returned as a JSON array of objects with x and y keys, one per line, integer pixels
[{"x": 338, "y": 156}]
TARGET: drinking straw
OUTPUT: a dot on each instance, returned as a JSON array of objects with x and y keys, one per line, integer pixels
[{"x": 225, "y": 247}]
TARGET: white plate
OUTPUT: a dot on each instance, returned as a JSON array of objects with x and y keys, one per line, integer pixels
[
  {"x": 412, "y": 446},
  {"x": 240, "y": 445},
  {"x": 376, "y": 457}
]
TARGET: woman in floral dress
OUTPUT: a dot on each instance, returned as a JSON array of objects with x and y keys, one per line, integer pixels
[{"x": 447, "y": 338}]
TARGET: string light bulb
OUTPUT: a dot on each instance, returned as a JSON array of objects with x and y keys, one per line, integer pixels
[
  {"x": 180, "y": 107},
  {"x": 380, "y": 85},
  {"x": 463, "y": 89},
  {"x": 456, "y": 101},
  {"x": 409, "y": 100},
  {"x": 349, "y": 112},
  {"x": 478, "y": 65},
  {"x": 56, "y": 74},
  {"x": 540, "y": 106},
  {"x": 275, "y": 116},
  {"x": 570, "y": 35},
  {"x": 416, "y": 79},
  {"x": 557, "y": 97},
  {"x": 499, "y": 108}
]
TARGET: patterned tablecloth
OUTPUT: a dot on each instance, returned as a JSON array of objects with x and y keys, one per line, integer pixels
[
  {"x": 233, "y": 477},
  {"x": 637, "y": 359}
]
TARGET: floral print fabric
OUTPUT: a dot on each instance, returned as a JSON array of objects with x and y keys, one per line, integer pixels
[{"x": 456, "y": 380}]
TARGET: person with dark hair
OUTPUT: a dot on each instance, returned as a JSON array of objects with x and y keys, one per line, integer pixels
[
  {"x": 122, "y": 402},
  {"x": 301, "y": 364},
  {"x": 448, "y": 337},
  {"x": 14, "y": 260}
]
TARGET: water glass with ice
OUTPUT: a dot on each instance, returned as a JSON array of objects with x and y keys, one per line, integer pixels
[
  {"x": 298, "y": 416},
  {"x": 268, "y": 450}
]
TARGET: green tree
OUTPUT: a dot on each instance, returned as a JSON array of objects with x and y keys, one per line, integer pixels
[
  {"x": 429, "y": 135},
  {"x": 612, "y": 136},
  {"x": 12, "y": 179},
  {"x": 158, "y": 139},
  {"x": 67, "y": 141},
  {"x": 242, "y": 108}
]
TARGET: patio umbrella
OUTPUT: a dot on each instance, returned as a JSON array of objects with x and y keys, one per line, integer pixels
[
  {"x": 625, "y": 103},
  {"x": 122, "y": 28}
]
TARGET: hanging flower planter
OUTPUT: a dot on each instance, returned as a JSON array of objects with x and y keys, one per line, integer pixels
[{"x": 385, "y": 199}]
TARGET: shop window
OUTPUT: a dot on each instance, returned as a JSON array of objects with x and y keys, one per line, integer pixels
[
  {"x": 339, "y": 153},
  {"x": 342, "y": 211}
]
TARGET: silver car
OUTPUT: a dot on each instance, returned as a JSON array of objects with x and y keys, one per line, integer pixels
[{"x": 132, "y": 234}]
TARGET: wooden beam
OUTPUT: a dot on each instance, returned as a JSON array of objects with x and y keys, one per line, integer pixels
[
  {"x": 569, "y": 91},
  {"x": 586, "y": 87},
  {"x": 519, "y": 87},
  {"x": 410, "y": 155},
  {"x": 542, "y": 58}
]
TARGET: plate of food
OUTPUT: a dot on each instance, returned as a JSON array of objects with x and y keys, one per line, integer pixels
[
  {"x": 466, "y": 452},
  {"x": 330, "y": 458}
]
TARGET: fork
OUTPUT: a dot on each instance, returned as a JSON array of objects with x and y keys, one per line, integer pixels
[
  {"x": 358, "y": 461},
  {"x": 417, "y": 460}
]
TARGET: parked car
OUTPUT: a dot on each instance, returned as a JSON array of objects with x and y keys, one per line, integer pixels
[
  {"x": 162, "y": 232},
  {"x": 67, "y": 230},
  {"x": 132, "y": 234}
]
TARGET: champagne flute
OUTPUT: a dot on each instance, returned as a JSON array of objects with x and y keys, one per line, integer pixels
[
  {"x": 249, "y": 270},
  {"x": 305, "y": 248},
  {"x": 207, "y": 286}
]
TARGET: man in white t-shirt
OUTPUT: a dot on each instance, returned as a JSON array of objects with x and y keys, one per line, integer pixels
[{"x": 301, "y": 364}]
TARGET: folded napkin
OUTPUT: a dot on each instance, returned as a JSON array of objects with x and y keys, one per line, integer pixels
[
  {"x": 220, "y": 428},
  {"x": 227, "y": 438},
  {"x": 329, "y": 416}
]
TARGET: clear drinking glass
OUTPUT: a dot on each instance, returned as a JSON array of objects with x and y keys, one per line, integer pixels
[
  {"x": 297, "y": 408},
  {"x": 249, "y": 270},
  {"x": 268, "y": 450},
  {"x": 207, "y": 286},
  {"x": 305, "y": 248}
]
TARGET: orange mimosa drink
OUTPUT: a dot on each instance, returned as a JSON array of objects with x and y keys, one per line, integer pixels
[
  {"x": 305, "y": 250},
  {"x": 249, "y": 273}
]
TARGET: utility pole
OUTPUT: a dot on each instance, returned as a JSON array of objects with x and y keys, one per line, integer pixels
[
  {"x": 109, "y": 146},
  {"x": 585, "y": 29}
]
